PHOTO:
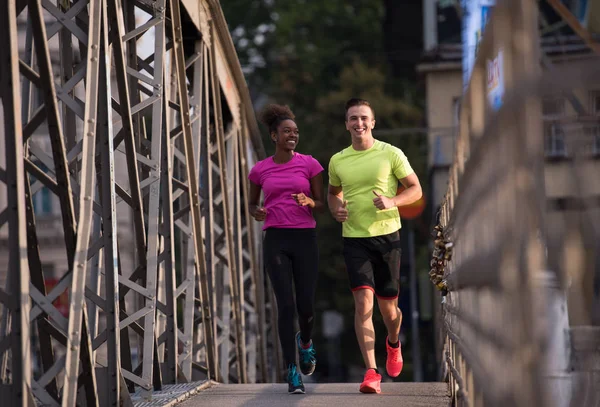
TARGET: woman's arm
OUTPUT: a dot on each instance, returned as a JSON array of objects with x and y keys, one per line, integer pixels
[
  {"x": 316, "y": 190},
  {"x": 258, "y": 213}
]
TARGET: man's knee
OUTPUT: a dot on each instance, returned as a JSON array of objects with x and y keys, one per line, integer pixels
[
  {"x": 363, "y": 302},
  {"x": 389, "y": 310}
]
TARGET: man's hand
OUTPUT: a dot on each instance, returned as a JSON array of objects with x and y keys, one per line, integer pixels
[
  {"x": 260, "y": 214},
  {"x": 303, "y": 200},
  {"x": 383, "y": 202},
  {"x": 341, "y": 214}
]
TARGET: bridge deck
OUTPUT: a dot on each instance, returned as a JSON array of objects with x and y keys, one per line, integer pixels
[{"x": 327, "y": 395}]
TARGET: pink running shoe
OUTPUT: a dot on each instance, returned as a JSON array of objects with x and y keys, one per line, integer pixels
[
  {"x": 394, "y": 362},
  {"x": 371, "y": 383}
]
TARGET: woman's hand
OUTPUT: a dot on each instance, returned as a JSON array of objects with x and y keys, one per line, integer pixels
[
  {"x": 303, "y": 200},
  {"x": 260, "y": 214}
]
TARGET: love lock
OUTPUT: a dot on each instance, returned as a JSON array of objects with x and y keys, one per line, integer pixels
[{"x": 442, "y": 254}]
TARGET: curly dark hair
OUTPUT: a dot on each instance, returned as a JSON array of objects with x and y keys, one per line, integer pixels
[{"x": 272, "y": 116}]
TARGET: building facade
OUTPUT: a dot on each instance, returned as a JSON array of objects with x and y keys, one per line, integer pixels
[{"x": 570, "y": 121}]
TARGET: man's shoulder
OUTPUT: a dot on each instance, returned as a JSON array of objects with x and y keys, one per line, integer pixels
[
  {"x": 341, "y": 154},
  {"x": 387, "y": 147}
]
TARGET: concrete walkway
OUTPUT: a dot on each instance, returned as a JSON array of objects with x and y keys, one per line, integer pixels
[{"x": 326, "y": 395}]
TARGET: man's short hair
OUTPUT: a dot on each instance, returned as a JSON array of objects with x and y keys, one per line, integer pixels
[{"x": 358, "y": 102}]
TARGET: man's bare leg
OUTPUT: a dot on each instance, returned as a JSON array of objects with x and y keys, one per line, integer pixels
[
  {"x": 392, "y": 317},
  {"x": 363, "y": 325}
]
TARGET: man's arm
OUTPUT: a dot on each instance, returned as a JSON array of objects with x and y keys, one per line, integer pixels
[
  {"x": 412, "y": 192},
  {"x": 336, "y": 203}
]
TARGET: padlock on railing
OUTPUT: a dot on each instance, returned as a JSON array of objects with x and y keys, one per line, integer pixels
[{"x": 442, "y": 254}]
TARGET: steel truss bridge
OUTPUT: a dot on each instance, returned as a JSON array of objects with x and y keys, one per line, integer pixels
[{"x": 133, "y": 119}]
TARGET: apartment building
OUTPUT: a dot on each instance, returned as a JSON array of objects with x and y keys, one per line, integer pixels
[
  {"x": 441, "y": 69},
  {"x": 565, "y": 127}
]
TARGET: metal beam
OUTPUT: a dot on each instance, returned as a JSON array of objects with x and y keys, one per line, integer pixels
[{"x": 575, "y": 25}]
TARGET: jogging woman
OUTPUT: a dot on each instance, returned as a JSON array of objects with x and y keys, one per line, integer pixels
[{"x": 292, "y": 184}]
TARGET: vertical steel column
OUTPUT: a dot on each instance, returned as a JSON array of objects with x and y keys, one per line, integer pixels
[
  {"x": 113, "y": 392},
  {"x": 232, "y": 190},
  {"x": 244, "y": 264},
  {"x": 153, "y": 220},
  {"x": 191, "y": 263},
  {"x": 16, "y": 298},
  {"x": 77, "y": 306},
  {"x": 203, "y": 284},
  {"x": 216, "y": 259},
  {"x": 250, "y": 245},
  {"x": 208, "y": 212},
  {"x": 167, "y": 257},
  {"x": 226, "y": 219},
  {"x": 35, "y": 265}
]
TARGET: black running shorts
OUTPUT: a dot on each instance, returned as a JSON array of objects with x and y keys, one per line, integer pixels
[{"x": 373, "y": 263}]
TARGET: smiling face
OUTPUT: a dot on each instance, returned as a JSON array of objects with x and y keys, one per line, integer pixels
[
  {"x": 360, "y": 122},
  {"x": 287, "y": 136}
]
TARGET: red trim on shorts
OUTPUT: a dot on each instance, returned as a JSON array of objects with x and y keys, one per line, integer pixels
[
  {"x": 386, "y": 298},
  {"x": 363, "y": 287}
]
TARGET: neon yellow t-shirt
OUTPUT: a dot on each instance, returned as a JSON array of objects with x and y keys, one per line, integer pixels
[{"x": 360, "y": 173}]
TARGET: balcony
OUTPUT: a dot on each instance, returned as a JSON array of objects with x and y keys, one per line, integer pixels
[
  {"x": 566, "y": 137},
  {"x": 442, "y": 150}
]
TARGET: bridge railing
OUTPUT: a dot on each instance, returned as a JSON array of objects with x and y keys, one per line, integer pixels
[
  {"x": 508, "y": 264},
  {"x": 135, "y": 116}
]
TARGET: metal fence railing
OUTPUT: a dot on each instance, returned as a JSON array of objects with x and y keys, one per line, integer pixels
[{"x": 517, "y": 245}]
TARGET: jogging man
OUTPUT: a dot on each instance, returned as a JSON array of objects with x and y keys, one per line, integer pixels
[{"x": 363, "y": 185}]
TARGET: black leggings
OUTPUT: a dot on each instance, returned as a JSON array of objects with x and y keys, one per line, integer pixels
[{"x": 292, "y": 260}]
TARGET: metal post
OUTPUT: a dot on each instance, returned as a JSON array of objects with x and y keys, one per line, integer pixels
[
  {"x": 414, "y": 308},
  {"x": 77, "y": 317},
  {"x": 254, "y": 264},
  {"x": 169, "y": 336},
  {"x": 227, "y": 225},
  {"x": 206, "y": 174},
  {"x": 109, "y": 229},
  {"x": 16, "y": 297}
]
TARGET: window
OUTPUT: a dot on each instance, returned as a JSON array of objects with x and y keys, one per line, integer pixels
[
  {"x": 595, "y": 111},
  {"x": 595, "y": 102},
  {"x": 553, "y": 109},
  {"x": 456, "y": 111},
  {"x": 42, "y": 197},
  {"x": 555, "y": 140}
]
